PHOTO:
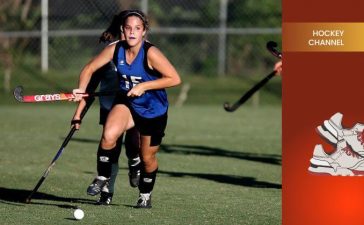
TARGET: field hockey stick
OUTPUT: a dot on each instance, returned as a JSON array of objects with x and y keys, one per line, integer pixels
[
  {"x": 18, "y": 94},
  {"x": 89, "y": 102},
  {"x": 249, "y": 93},
  {"x": 271, "y": 46}
]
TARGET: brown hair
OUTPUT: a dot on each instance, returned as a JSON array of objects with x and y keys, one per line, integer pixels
[{"x": 138, "y": 13}]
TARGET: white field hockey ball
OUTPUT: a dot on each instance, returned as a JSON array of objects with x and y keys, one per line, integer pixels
[{"x": 78, "y": 214}]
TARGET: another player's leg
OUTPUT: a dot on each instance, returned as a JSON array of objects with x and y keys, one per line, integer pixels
[{"x": 132, "y": 146}]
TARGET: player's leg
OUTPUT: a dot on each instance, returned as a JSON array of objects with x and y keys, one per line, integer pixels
[
  {"x": 118, "y": 120},
  {"x": 115, "y": 166},
  {"x": 107, "y": 192},
  {"x": 148, "y": 172},
  {"x": 151, "y": 134},
  {"x": 132, "y": 146}
]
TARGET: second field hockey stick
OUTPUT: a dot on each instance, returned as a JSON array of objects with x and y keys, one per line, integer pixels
[
  {"x": 271, "y": 46},
  {"x": 18, "y": 94},
  {"x": 91, "y": 87},
  {"x": 89, "y": 102},
  {"x": 231, "y": 108},
  {"x": 46, "y": 172}
]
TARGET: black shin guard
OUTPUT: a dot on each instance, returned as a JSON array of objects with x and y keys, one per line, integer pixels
[
  {"x": 147, "y": 181},
  {"x": 132, "y": 143},
  {"x": 105, "y": 159}
]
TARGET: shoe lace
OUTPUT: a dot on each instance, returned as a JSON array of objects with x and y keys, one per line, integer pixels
[{"x": 348, "y": 151}]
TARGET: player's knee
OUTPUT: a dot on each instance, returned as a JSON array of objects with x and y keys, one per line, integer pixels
[
  {"x": 108, "y": 142},
  {"x": 149, "y": 159}
]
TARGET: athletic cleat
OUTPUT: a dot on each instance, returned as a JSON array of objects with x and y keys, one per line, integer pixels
[
  {"x": 105, "y": 198},
  {"x": 134, "y": 176},
  {"x": 98, "y": 184},
  {"x": 343, "y": 162},
  {"x": 144, "y": 201},
  {"x": 134, "y": 172}
]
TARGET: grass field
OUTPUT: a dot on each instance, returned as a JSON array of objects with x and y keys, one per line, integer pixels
[{"x": 215, "y": 168}]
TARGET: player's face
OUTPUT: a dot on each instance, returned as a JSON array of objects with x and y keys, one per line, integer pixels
[{"x": 134, "y": 30}]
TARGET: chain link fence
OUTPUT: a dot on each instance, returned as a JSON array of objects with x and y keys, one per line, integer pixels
[{"x": 210, "y": 37}]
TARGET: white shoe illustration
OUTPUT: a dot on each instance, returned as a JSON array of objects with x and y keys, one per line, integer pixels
[
  {"x": 343, "y": 162},
  {"x": 333, "y": 131}
]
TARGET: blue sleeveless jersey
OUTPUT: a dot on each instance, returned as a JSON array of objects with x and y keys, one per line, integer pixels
[{"x": 152, "y": 103}]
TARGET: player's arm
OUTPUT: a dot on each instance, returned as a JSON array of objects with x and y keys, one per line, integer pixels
[
  {"x": 278, "y": 67},
  {"x": 76, "y": 120},
  {"x": 157, "y": 61}
]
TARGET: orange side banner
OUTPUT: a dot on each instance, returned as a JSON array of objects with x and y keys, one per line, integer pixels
[{"x": 323, "y": 37}]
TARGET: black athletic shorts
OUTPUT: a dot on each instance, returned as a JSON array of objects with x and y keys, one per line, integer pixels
[{"x": 153, "y": 127}]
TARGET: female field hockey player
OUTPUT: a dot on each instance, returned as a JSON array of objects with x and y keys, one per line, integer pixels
[
  {"x": 106, "y": 78},
  {"x": 144, "y": 73}
]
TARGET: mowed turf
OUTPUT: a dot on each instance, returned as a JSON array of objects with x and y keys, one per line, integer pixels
[{"x": 214, "y": 168}]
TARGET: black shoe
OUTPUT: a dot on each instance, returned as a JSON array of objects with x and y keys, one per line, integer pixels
[
  {"x": 144, "y": 201},
  {"x": 97, "y": 185},
  {"x": 105, "y": 198},
  {"x": 134, "y": 176}
]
